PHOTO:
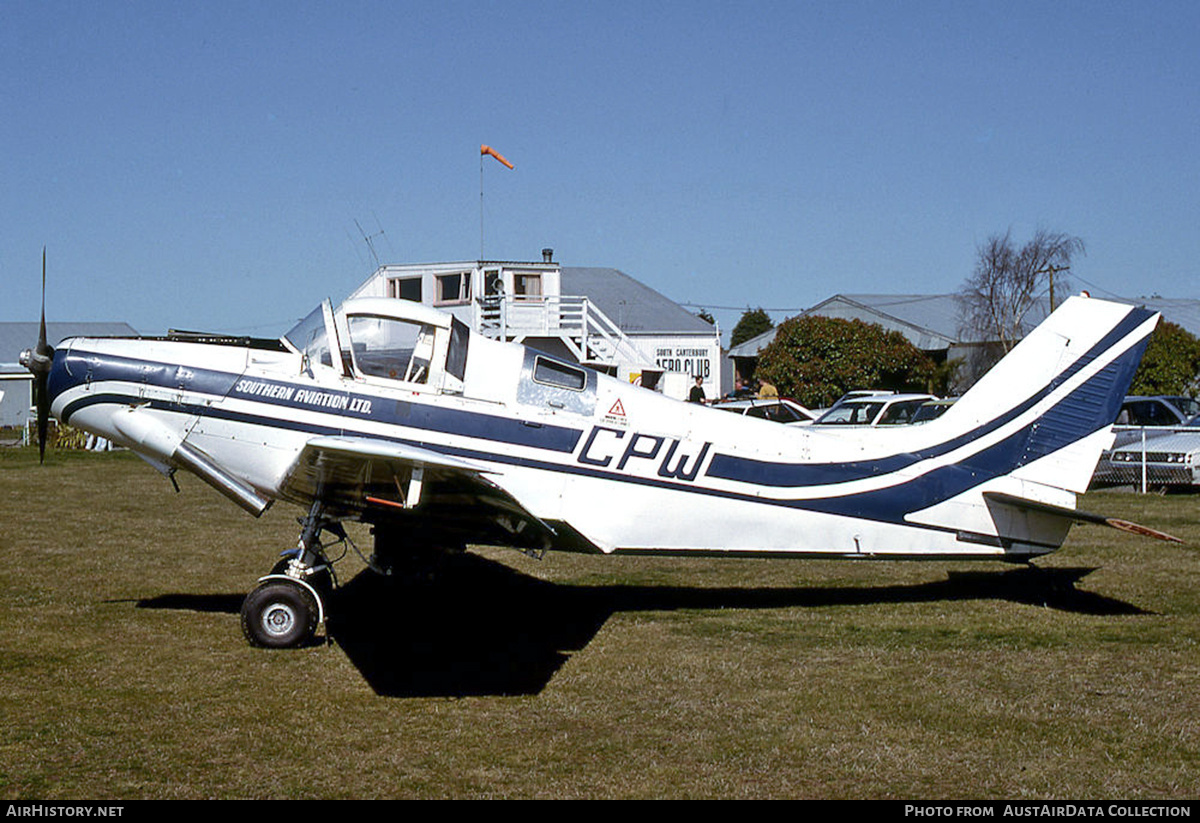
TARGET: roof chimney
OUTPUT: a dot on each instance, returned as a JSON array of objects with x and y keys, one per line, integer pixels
[{"x": 547, "y": 255}]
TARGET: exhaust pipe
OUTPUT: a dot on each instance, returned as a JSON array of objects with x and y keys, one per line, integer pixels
[{"x": 204, "y": 467}]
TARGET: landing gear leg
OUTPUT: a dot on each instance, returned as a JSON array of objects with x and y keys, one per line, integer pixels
[{"x": 288, "y": 605}]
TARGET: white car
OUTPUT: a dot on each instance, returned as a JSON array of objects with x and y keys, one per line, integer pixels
[
  {"x": 874, "y": 410},
  {"x": 1143, "y": 418},
  {"x": 778, "y": 409},
  {"x": 1163, "y": 460},
  {"x": 1159, "y": 414}
]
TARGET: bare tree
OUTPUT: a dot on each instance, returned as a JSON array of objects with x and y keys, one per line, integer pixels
[{"x": 1007, "y": 283}]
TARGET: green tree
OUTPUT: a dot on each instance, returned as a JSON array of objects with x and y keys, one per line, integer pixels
[
  {"x": 706, "y": 317},
  {"x": 818, "y": 359},
  {"x": 752, "y": 323},
  {"x": 1170, "y": 364}
]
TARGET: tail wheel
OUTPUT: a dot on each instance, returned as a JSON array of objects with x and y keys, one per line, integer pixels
[{"x": 279, "y": 615}]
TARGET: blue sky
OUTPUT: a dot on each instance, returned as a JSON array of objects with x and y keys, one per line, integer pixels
[{"x": 208, "y": 165}]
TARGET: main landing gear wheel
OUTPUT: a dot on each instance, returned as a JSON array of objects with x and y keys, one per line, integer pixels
[
  {"x": 279, "y": 614},
  {"x": 288, "y": 605}
]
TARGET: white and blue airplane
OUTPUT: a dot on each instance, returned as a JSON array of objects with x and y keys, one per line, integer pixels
[{"x": 391, "y": 413}]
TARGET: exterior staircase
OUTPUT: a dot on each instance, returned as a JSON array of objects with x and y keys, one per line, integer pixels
[{"x": 588, "y": 333}]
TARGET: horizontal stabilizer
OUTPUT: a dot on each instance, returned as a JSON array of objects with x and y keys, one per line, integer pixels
[{"x": 1026, "y": 504}]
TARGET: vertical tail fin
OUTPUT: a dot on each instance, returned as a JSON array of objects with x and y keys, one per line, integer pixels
[
  {"x": 1060, "y": 390},
  {"x": 1025, "y": 439}
]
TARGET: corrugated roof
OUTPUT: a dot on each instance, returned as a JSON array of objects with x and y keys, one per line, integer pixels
[
  {"x": 16, "y": 337},
  {"x": 928, "y": 321},
  {"x": 633, "y": 306},
  {"x": 934, "y": 321}
]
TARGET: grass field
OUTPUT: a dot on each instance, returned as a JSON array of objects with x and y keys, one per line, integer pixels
[{"x": 124, "y": 674}]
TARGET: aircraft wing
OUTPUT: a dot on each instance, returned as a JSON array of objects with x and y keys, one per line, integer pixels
[{"x": 437, "y": 493}]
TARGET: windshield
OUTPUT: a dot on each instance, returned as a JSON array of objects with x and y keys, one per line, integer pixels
[
  {"x": 851, "y": 414},
  {"x": 391, "y": 348},
  {"x": 308, "y": 337}
]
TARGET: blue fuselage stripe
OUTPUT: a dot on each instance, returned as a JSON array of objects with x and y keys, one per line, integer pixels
[{"x": 86, "y": 367}]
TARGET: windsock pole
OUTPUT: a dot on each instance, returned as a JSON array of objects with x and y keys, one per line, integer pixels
[{"x": 484, "y": 151}]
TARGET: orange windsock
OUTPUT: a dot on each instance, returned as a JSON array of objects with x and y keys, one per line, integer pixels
[{"x": 489, "y": 150}]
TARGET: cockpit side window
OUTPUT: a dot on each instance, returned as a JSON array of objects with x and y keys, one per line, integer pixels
[
  {"x": 554, "y": 385},
  {"x": 390, "y": 348},
  {"x": 456, "y": 356},
  {"x": 552, "y": 373}
]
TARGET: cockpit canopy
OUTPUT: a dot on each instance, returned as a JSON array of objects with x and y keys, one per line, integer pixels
[{"x": 379, "y": 339}]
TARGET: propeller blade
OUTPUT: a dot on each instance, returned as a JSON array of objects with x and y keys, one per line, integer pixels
[{"x": 41, "y": 349}]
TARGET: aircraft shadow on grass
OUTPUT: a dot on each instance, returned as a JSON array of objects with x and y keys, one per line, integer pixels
[{"x": 481, "y": 628}]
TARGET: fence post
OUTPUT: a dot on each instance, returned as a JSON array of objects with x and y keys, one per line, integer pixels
[{"x": 1143, "y": 459}]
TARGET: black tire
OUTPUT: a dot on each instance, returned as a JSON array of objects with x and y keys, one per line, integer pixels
[{"x": 279, "y": 615}]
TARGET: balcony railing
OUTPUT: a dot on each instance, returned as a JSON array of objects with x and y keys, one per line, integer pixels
[{"x": 587, "y": 331}]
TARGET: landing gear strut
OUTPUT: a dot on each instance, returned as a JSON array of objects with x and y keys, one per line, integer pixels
[{"x": 288, "y": 605}]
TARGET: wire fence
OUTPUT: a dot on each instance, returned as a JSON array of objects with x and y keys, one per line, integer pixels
[{"x": 1149, "y": 459}]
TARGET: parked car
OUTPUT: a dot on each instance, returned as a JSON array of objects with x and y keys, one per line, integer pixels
[
  {"x": 853, "y": 395},
  {"x": 1158, "y": 415},
  {"x": 873, "y": 410},
  {"x": 1171, "y": 459},
  {"x": 778, "y": 409},
  {"x": 1142, "y": 417}
]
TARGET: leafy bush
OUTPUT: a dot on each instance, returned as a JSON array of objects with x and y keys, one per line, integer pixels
[
  {"x": 818, "y": 359},
  {"x": 1170, "y": 364}
]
